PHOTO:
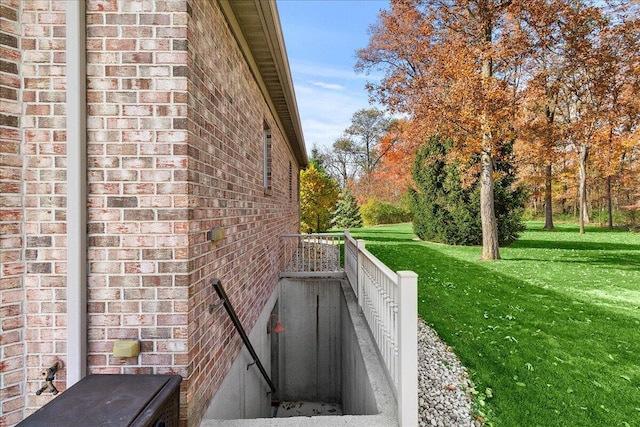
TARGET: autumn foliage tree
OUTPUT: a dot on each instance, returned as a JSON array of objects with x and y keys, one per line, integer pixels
[
  {"x": 617, "y": 138},
  {"x": 560, "y": 77},
  {"x": 579, "y": 109},
  {"x": 390, "y": 180},
  {"x": 449, "y": 65},
  {"x": 582, "y": 91},
  {"x": 318, "y": 198},
  {"x": 540, "y": 140}
]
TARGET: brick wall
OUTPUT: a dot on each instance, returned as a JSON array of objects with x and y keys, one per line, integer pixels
[
  {"x": 138, "y": 192},
  {"x": 43, "y": 124},
  {"x": 175, "y": 148},
  {"x": 227, "y": 116},
  {"x": 11, "y": 219}
]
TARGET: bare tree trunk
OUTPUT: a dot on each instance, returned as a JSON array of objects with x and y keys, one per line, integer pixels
[
  {"x": 345, "y": 175},
  {"x": 584, "y": 217},
  {"x": 609, "y": 204},
  {"x": 548, "y": 208},
  {"x": 490, "y": 249}
]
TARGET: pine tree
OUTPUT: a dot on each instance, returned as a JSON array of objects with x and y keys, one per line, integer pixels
[
  {"x": 347, "y": 213},
  {"x": 447, "y": 212},
  {"x": 443, "y": 210}
]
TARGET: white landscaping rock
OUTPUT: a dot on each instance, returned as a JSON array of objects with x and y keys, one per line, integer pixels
[{"x": 443, "y": 383}]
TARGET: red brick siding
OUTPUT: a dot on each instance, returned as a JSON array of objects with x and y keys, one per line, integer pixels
[
  {"x": 175, "y": 148},
  {"x": 227, "y": 113},
  {"x": 12, "y": 266},
  {"x": 43, "y": 128},
  {"x": 138, "y": 191}
]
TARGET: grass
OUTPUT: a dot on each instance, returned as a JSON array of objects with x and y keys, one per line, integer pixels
[{"x": 550, "y": 334}]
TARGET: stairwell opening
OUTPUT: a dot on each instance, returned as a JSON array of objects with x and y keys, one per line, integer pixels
[
  {"x": 323, "y": 365},
  {"x": 307, "y": 359}
]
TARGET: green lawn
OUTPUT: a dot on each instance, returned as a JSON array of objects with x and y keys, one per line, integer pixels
[{"x": 550, "y": 334}]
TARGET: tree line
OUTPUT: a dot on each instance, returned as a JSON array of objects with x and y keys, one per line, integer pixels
[{"x": 553, "y": 83}]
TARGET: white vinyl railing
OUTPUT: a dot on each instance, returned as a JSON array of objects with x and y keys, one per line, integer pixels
[
  {"x": 351, "y": 261},
  {"x": 389, "y": 303},
  {"x": 312, "y": 254}
]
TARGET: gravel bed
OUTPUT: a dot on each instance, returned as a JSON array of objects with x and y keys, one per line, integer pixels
[{"x": 444, "y": 389}]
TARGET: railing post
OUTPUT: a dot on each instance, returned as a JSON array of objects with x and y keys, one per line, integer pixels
[
  {"x": 346, "y": 254},
  {"x": 345, "y": 239},
  {"x": 408, "y": 345},
  {"x": 359, "y": 246}
]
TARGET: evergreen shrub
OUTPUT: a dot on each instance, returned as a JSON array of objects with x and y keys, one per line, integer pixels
[
  {"x": 445, "y": 211},
  {"x": 376, "y": 212}
]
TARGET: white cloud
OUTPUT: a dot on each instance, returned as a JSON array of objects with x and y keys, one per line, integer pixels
[
  {"x": 326, "y": 113},
  {"x": 331, "y": 86},
  {"x": 327, "y": 97},
  {"x": 326, "y": 71}
]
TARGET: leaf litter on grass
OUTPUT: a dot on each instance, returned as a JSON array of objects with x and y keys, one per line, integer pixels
[{"x": 567, "y": 329}]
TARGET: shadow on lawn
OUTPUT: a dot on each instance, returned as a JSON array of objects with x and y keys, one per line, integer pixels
[
  {"x": 372, "y": 235},
  {"x": 369, "y": 240},
  {"x": 502, "y": 327},
  {"x": 573, "y": 228},
  {"x": 573, "y": 245},
  {"x": 619, "y": 261}
]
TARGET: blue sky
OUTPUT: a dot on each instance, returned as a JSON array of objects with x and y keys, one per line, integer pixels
[{"x": 322, "y": 37}]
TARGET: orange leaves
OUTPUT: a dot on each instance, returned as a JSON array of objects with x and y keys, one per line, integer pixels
[
  {"x": 433, "y": 57},
  {"x": 561, "y": 77}
]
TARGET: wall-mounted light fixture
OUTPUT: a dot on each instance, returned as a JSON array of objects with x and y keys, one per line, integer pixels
[
  {"x": 215, "y": 234},
  {"x": 278, "y": 328}
]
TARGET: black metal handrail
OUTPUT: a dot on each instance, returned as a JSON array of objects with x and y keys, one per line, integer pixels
[{"x": 217, "y": 285}]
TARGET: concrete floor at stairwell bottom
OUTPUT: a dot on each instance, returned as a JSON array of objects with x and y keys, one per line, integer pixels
[{"x": 306, "y": 409}]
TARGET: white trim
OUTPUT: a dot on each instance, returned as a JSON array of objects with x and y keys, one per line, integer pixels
[
  {"x": 408, "y": 344},
  {"x": 267, "y": 13},
  {"x": 76, "y": 191}
]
